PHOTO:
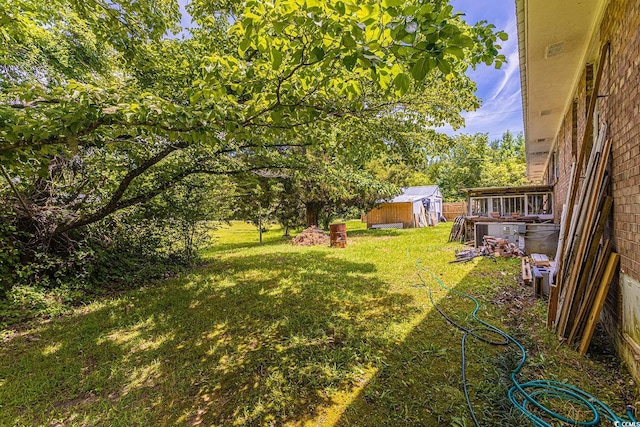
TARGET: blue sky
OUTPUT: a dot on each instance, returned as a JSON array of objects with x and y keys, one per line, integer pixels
[{"x": 499, "y": 90}]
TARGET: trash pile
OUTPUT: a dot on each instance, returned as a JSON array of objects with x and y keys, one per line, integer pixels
[
  {"x": 501, "y": 247},
  {"x": 492, "y": 246},
  {"x": 310, "y": 237}
]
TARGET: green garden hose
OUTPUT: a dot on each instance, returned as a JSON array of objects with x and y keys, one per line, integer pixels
[{"x": 526, "y": 396}]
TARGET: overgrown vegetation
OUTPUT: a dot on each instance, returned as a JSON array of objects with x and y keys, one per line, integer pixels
[{"x": 278, "y": 334}]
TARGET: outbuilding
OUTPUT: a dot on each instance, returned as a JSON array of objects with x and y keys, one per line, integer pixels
[{"x": 415, "y": 207}]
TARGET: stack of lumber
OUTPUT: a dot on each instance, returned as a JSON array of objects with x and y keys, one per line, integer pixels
[
  {"x": 586, "y": 263},
  {"x": 457, "y": 231},
  {"x": 583, "y": 256}
]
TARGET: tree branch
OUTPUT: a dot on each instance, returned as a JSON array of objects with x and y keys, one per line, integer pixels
[{"x": 113, "y": 203}]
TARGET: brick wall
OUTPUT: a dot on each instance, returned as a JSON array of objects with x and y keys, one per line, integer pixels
[{"x": 619, "y": 106}]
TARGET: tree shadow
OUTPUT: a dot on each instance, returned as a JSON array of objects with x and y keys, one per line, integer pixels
[
  {"x": 233, "y": 343},
  {"x": 375, "y": 232},
  {"x": 420, "y": 383}
]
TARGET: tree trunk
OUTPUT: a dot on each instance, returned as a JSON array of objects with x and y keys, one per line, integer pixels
[{"x": 313, "y": 213}]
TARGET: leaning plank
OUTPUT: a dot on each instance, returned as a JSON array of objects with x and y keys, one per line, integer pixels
[
  {"x": 592, "y": 290},
  {"x": 599, "y": 302},
  {"x": 552, "y": 310},
  {"x": 563, "y": 219},
  {"x": 583, "y": 231},
  {"x": 526, "y": 272},
  {"x": 588, "y": 264}
]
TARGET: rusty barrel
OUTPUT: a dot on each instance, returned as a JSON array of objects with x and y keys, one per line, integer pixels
[{"x": 338, "y": 235}]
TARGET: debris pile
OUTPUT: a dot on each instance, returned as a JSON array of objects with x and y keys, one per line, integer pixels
[
  {"x": 501, "y": 247},
  {"x": 492, "y": 246},
  {"x": 310, "y": 237}
]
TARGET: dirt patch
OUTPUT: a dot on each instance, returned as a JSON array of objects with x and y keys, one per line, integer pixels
[
  {"x": 515, "y": 301},
  {"x": 310, "y": 237}
]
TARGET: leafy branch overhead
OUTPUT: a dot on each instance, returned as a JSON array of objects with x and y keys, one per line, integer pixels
[
  {"x": 132, "y": 111},
  {"x": 295, "y": 62}
]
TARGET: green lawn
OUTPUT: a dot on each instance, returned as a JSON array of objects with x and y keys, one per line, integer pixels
[{"x": 284, "y": 335}]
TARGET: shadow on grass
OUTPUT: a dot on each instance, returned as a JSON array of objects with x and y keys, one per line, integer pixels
[
  {"x": 420, "y": 382},
  {"x": 271, "y": 239},
  {"x": 234, "y": 343},
  {"x": 266, "y": 339},
  {"x": 375, "y": 232}
]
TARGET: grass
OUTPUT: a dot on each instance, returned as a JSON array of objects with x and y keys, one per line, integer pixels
[{"x": 284, "y": 335}]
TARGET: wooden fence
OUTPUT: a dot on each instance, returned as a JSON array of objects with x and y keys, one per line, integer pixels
[{"x": 450, "y": 210}]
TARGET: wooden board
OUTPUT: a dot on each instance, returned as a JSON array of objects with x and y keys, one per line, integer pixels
[
  {"x": 603, "y": 288},
  {"x": 539, "y": 260},
  {"x": 592, "y": 290},
  {"x": 526, "y": 272},
  {"x": 593, "y": 182},
  {"x": 552, "y": 310},
  {"x": 587, "y": 265}
]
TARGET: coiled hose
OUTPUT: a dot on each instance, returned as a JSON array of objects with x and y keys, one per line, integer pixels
[{"x": 527, "y": 396}]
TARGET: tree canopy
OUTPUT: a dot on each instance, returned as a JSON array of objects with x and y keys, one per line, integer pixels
[
  {"x": 473, "y": 161},
  {"x": 102, "y": 110}
]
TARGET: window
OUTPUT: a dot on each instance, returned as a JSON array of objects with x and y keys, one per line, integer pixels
[
  {"x": 513, "y": 205},
  {"x": 479, "y": 206},
  {"x": 539, "y": 204},
  {"x": 496, "y": 205}
]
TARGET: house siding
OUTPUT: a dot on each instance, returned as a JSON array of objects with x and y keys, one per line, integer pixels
[{"x": 618, "y": 106}]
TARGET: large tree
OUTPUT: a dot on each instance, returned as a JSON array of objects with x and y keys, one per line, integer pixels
[
  {"x": 113, "y": 113},
  {"x": 474, "y": 161}
]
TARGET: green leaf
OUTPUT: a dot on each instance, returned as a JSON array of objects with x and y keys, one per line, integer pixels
[
  {"x": 392, "y": 3},
  {"x": 402, "y": 82},
  {"x": 276, "y": 116},
  {"x": 502, "y": 36},
  {"x": 421, "y": 68},
  {"x": 349, "y": 61},
  {"x": 455, "y": 51},
  {"x": 279, "y": 26},
  {"x": 444, "y": 66},
  {"x": 244, "y": 45},
  {"x": 348, "y": 41},
  {"x": 318, "y": 52},
  {"x": 276, "y": 58}
]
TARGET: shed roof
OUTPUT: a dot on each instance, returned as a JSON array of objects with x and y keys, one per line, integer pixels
[{"x": 411, "y": 194}]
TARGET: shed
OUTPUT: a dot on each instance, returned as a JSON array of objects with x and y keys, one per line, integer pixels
[{"x": 415, "y": 207}]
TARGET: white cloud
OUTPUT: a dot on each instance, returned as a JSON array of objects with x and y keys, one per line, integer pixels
[{"x": 501, "y": 108}]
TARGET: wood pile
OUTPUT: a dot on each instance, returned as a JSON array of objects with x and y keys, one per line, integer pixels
[
  {"x": 310, "y": 237},
  {"x": 586, "y": 262}
]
